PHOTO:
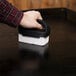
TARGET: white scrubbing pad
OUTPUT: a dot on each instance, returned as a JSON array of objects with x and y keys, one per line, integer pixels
[{"x": 32, "y": 40}]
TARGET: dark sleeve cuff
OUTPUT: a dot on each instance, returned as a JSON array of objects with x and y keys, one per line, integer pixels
[{"x": 9, "y": 14}]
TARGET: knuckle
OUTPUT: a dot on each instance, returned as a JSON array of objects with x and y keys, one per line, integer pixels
[{"x": 38, "y": 12}]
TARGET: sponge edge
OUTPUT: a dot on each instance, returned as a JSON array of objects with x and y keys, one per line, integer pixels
[{"x": 32, "y": 40}]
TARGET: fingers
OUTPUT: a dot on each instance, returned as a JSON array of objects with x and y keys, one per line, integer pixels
[
  {"x": 39, "y": 15},
  {"x": 37, "y": 25}
]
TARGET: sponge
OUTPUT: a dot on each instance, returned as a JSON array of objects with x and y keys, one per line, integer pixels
[{"x": 35, "y": 36}]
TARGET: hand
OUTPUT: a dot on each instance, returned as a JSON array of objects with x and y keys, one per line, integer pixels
[{"x": 29, "y": 20}]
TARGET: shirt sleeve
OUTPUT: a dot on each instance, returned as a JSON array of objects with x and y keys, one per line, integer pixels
[{"x": 9, "y": 14}]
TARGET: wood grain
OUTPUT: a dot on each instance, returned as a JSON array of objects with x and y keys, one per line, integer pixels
[
  {"x": 72, "y": 5},
  {"x": 20, "y": 4},
  {"x": 34, "y": 4}
]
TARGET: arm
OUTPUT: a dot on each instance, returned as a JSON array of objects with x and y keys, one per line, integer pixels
[{"x": 9, "y": 14}]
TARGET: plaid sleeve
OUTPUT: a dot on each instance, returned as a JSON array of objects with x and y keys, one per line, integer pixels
[{"x": 9, "y": 14}]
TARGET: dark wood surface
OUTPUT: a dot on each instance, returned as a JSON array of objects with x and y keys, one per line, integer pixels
[
  {"x": 59, "y": 59},
  {"x": 8, "y": 41}
]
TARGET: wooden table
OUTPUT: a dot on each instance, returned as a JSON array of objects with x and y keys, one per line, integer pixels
[
  {"x": 8, "y": 41},
  {"x": 59, "y": 59}
]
